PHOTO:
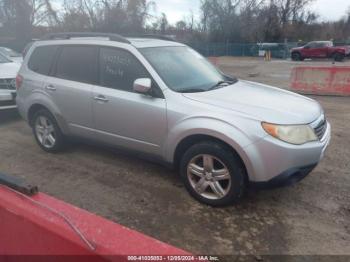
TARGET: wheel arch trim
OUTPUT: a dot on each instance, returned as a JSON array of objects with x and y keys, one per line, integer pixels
[
  {"x": 40, "y": 100},
  {"x": 237, "y": 144}
]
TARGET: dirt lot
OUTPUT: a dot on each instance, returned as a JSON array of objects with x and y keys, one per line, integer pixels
[
  {"x": 276, "y": 72},
  {"x": 312, "y": 217}
]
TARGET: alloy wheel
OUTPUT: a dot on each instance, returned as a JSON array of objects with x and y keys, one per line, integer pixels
[
  {"x": 209, "y": 177},
  {"x": 45, "y": 132}
]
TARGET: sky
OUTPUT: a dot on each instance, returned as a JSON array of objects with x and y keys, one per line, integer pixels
[
  {"x": 176, "y": 10},
  {"x": 328, "y": 10}
]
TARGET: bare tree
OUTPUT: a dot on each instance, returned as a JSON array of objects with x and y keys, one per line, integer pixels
[
  {"x": 250, "y": 20},
  {"x": 42, "y": 13},
  {"x": 291, "y": 10},
  {"x": 220, "y": 18},
  {"x": 255, "y": 20},
  {"x": 19, "y": 17},
  {"x": 107, "y": 15}
]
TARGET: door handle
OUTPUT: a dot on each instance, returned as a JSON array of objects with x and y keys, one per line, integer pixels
[
  {"x": 101, "y": 98},
  {"x": 50, "y": 88}
]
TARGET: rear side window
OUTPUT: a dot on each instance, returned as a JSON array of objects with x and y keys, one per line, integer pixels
[
  {"x": 312, "y": 45},
  {"x": 320, "y": 45},
  {"x": 42, "y": 58},
  {"x": 77, "y": 63},
  {"x": 119, "y": 69}
]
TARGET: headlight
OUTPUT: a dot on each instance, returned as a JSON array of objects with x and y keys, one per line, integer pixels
[{"x": 293, "y": 134}]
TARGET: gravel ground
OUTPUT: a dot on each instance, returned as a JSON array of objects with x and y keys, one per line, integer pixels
[
  {"x": 276, "y": 72},
  {"x": 311, "y": 218}
]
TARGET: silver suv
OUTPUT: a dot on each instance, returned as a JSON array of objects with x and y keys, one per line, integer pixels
[{"x": 165, "y": 100}]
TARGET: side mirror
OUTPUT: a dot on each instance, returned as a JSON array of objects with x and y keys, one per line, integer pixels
[{"x": 143, "y": 86}]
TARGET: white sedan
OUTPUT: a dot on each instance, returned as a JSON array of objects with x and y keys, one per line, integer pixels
[
  {"x": 8, "y": 73},
  {"x": 11, "y": 54}
]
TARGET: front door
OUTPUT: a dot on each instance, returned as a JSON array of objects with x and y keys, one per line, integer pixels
[
  {"x": 122, "y": 117},
  {"x": 316, "y": 50}
]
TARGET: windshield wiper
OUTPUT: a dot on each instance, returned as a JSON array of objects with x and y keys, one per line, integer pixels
[
  {"x": 192, "y": 90},
  {"x": 221, "y": 84}
]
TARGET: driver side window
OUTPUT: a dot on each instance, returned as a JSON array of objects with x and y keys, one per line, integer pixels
[
  {"x": 119, "y": 69},
  {"x": 311, "y": 45}
]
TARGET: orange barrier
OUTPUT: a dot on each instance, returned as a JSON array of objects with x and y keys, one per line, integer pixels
[
  {"x": 321, "y": 80},
  {"x": 44, "y": 226}
]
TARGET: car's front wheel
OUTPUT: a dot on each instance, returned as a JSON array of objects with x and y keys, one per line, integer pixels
[
  {"x": 296, "y": 56},
  {"x": 47, "y": 132},
  {"x": 213, "y": 174}
]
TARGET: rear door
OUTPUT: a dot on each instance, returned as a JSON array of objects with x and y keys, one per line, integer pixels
[
  {"x": 37, "y": 69},
  {"x": 310, "y": 50},
  {"x": 122, "y": 117},
  {"x": 70, "y": 86}
]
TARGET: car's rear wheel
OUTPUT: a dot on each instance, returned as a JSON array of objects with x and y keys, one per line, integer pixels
[
  {"x": 338, "y": 57},
  {"x": 296, "y": 56},
  {"x": 47, "y": 132},
  {"x": 213, "y": 174}
]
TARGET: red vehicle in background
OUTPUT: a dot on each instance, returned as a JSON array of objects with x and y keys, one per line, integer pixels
[{"x": 320, "y": 49}]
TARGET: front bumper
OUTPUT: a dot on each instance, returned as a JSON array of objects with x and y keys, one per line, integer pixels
[
  {"x": 275, "y": 163},
  {"x": 7, "y": 100},
  {"x": 287, "y": 178}
]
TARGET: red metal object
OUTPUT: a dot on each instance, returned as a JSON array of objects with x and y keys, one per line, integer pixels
[
  {"x": 321, "y": 80},
  {"x": 28, "y": 228}
]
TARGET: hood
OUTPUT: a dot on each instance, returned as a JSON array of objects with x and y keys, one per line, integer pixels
[
  {"x": 345, "y": 47},
  {"x": 9, "y": 70},
  {"x": 297, "y": 48},
  {"x": 17, "y": 59},
  {"x": 262, "y": 102}
]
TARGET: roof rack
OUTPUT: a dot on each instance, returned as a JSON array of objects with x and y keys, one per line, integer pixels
[
  {"x": 155, "y": 36},
  {"x": 112, "y": 37}
]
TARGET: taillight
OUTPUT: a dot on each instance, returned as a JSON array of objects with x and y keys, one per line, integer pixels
[{"x": 19, "y": 81}]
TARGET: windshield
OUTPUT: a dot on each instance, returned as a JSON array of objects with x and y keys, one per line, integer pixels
[
  {"x": 3, "y": 59},
  {"x": 183, "y": 69},
  {"x": 9, "y": 52}
]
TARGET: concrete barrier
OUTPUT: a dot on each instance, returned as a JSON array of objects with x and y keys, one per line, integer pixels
[
  {"x": 44, "y": 226},
  {"x": 321, "y": 80}
]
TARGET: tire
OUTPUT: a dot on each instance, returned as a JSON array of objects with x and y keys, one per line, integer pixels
[
  {"x": 297, "y": 57},
  {"x": 203, "y": 185},
  {"x": 338, "y": 57},
  {"x": 47, "y": 133}
]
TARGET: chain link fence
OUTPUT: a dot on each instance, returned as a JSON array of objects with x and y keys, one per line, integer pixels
[{"x": 278, "y": 50}]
